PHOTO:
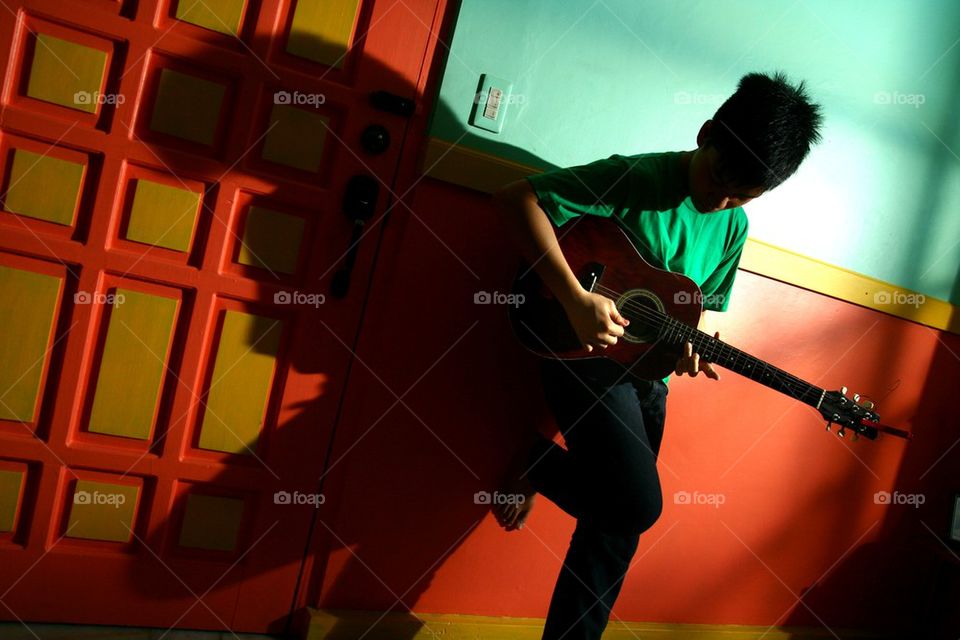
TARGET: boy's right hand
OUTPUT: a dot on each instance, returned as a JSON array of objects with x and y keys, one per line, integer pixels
[{"x": 595, "y": 319}]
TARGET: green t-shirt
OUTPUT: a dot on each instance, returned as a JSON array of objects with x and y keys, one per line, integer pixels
[{"x": 647, "y": 192}]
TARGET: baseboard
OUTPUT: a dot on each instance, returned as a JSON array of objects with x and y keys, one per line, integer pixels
[{"x": 331, "y": 624}]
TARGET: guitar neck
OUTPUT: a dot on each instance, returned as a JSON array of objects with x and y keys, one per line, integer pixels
[{"x": 715, "y": 351}]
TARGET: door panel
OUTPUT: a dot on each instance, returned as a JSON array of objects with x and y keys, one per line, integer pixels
[{"x": 173, "y": 174}]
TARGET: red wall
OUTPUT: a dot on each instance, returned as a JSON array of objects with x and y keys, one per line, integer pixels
[{"x": 799, "y": 517}]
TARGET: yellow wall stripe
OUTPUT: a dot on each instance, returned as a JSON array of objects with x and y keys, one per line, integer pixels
[
  {"x": 28, "y": 305},
  {"x": 487, "y": 173},
  {"x": 133, "y": 365},
  {"x": 240, "y": 387}
]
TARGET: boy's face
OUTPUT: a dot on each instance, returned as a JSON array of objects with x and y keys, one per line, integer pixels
[{"x": 710, "y": 189}]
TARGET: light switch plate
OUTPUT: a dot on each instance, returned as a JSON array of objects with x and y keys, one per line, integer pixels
[{"x": 490, "y": 103}]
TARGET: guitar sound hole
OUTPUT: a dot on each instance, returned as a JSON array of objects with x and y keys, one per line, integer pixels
[{"x": 644, "y": 311}]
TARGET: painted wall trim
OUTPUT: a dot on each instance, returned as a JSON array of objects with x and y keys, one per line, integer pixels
[
  {"x": 331, "y": 624},
  {"x": 484, "y": 172}
]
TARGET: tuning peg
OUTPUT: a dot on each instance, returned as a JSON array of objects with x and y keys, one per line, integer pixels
[
  {"x": 843, "y": 391},
  {"x": 856, "y": 436},
  {"x": 841, "y": 432},
  {"x": 828, "y": 425},
  {"x": 867, "y": 404},
  {"x": 856, "y": 397}
]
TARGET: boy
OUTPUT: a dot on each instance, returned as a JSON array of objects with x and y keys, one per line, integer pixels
[{"x": 683, "y": 210}]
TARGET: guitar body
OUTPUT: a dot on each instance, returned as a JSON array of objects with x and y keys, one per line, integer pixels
[{"x": 605, "y": 261}]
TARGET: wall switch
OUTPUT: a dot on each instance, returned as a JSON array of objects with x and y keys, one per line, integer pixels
[{"x": 490, "y": 103}]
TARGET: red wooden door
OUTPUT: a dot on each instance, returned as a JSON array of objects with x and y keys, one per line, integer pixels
[{"x": 174, "y": 174}]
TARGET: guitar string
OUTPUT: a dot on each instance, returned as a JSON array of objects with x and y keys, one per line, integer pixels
[{"x": 797, "y": 387}]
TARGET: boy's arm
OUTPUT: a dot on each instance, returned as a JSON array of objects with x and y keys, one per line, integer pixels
[{"x": 594, "y": 317}]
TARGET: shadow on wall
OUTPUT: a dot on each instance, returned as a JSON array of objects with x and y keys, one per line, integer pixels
[{"x": 913, "y": 593}]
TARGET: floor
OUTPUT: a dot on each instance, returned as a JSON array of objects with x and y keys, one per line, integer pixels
[{"x": 40, "y": 631}]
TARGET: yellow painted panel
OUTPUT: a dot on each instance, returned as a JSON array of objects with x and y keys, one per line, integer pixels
[
  {"x": 66, "y": 73},
  {"x": 133, "y": 364},
  {"x": 102, "y": 511},
  {"x": 187, "y": 106},
  {"x": 28, "y": 306},
  {"x": 162, "y": 215},
  {"x": 296, "y": 137},
  {"x": 240, "y": 387},
  {"x": 11, "y": 483},
  {"x": 44, "y": 187},
  {"x": 211, "y": 522},
  {"x": 271, "y": 240},
  {"x": 217, "y": 15},
  {"x": 321, "y": 30}
]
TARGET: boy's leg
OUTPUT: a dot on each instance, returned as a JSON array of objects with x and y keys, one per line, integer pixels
[{"x": 608, "y": 479}]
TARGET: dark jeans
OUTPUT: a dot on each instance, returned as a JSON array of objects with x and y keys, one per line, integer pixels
[{"x": 606, "y": 478}]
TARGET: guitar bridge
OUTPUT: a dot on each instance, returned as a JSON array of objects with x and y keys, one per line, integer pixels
[{"x": 590, "y": 277}]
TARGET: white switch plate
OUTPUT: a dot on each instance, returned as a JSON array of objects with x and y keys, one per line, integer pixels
[{"x": 490, "y": 103}]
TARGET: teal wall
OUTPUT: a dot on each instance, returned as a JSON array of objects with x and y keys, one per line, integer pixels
[{"x": 880, "y": 195}]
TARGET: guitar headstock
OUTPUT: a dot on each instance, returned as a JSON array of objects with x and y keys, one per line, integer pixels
[{"x": 854, "y": 413}]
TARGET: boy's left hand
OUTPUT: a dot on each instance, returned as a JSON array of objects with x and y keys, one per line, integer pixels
[{"x": 689, "y": 362}]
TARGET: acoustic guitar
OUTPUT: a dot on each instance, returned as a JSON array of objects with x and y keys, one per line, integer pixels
[{"x": 663, "y": 309}]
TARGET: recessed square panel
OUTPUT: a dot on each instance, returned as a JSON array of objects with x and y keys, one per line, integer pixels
[
  {"x": 271, "y": 240},
  {"x": 321, "y": 30},
  {"x": 44, "y": 187},
  {"x": 162, "y": 215},
  {"x": 295, "y": 137},
  {"x": 240, "y": 384},
  {"x": 217, "y": 15},
  {"x": 187, "y": 106},
  {"x": 66, "y": 73},
  {"x": 133, "y": 363},
  {"x": 211, "y": 522},
  {"x": 11, "y": 492},
  {"x": 102, "y": 511},
  {"x": 28, "y": 307}
]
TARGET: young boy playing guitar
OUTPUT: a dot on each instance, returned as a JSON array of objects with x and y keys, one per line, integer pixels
[{"x": 683, "y": 211}]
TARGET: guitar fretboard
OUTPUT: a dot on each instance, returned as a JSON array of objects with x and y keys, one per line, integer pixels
[{"x": 711, "y": 349}]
